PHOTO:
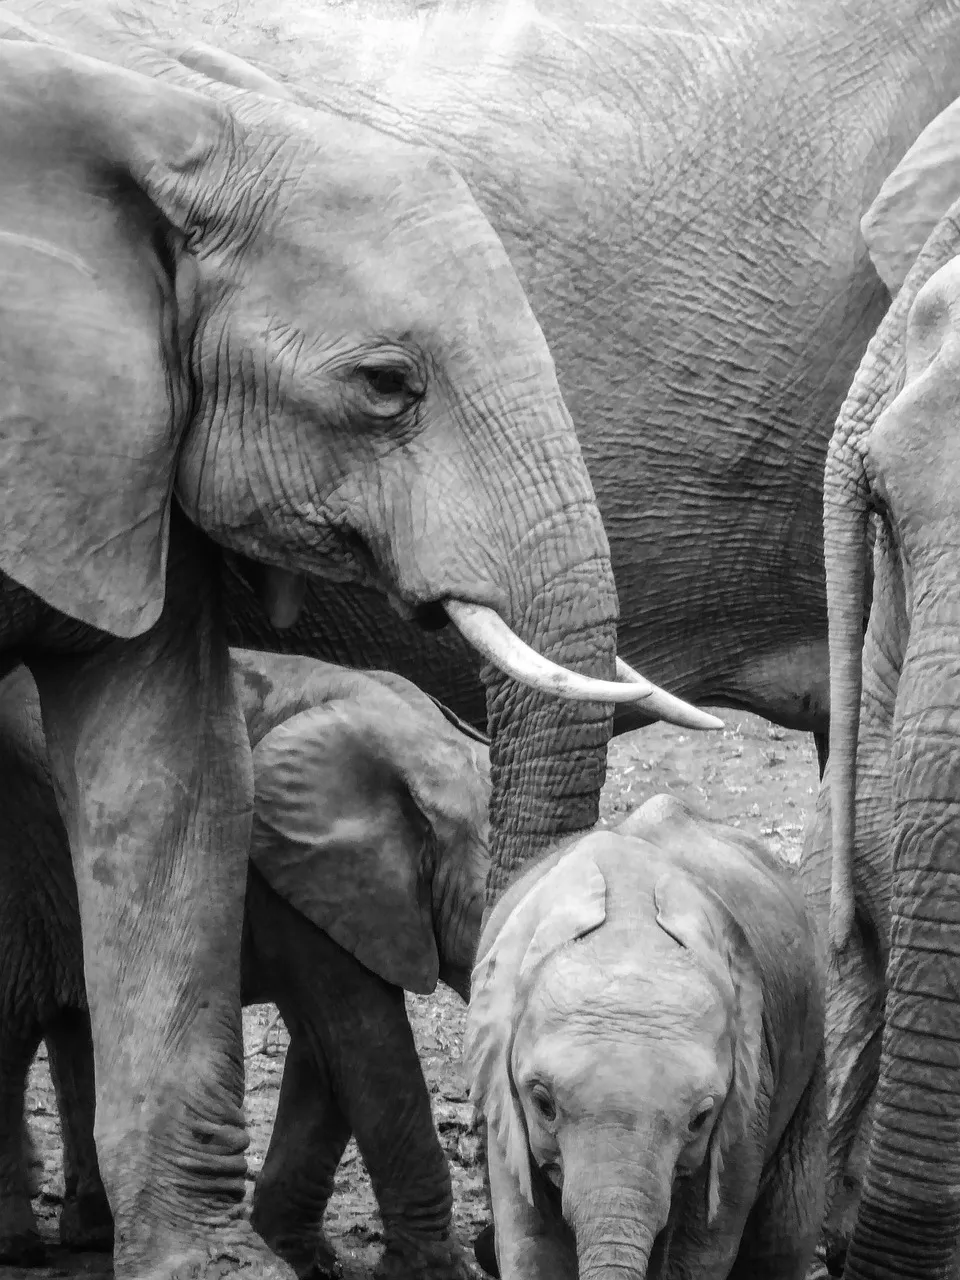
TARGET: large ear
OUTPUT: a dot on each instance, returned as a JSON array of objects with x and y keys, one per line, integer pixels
[
  {"x": 216, "y": 64},
  {"x": 914, "y": 198},
  {"x": 695, "y": 916},
  {"x": 103, "y": 174},
  {"x": 560, "y": 906},
  {"x": 338, "y": 833}
]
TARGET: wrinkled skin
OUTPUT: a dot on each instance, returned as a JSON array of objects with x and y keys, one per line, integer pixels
[
  {"x": 894, "y": 1018},
  {"x": 679, "y": 191},
  {"x": 228, "y": 318},
  {"x": 646, "y": 1039},
  {"x": 412, "y": 791}
]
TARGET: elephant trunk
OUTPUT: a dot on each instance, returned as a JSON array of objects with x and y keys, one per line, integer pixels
[
  {"x": 845, "y": 556},
  {"x": 548, "y": 756},
  {"x": 909, "y": 1216},
  {"x": 618, "y": 1213}
]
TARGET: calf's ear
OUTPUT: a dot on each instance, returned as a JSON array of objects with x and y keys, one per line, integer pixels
[
  {"x": 698, "y": 919},
  {"x": 562, "y": 905},
  {"x": 339, "y": 835}
]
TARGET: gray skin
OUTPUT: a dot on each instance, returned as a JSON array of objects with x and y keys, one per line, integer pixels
[
  {"x": 889, "y": 801},
  {"x": 229, "y": 321},
  {"x": 646, "y": 1039},
  {"x": 679, "y": 190},
  {"x": 370, "y": 831}
]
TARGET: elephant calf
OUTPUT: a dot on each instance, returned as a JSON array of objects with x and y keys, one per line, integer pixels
[
  {"x": 645, "y": 1039},
  {"x": 367, "y": 873}
]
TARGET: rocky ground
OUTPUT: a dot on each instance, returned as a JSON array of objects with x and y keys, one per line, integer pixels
[{"x": 753, "y": 775}]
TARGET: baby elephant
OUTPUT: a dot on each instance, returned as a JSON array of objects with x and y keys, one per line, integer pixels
[
  {"x": 367, "y": 875},
  {"x": 645, "y": 1040}
]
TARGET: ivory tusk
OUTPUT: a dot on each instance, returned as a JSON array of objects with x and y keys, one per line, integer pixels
[
  {"x": 666, "y": 706},
  {"x": 490, "y": 635}
]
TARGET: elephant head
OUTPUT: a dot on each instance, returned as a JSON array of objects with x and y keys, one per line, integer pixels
[
  {"x": 308, "y": 334},
  {"x": 894, "y": 459},
  {"x": 615, "y": 1048},
  {"x": 370, "y": 818}
]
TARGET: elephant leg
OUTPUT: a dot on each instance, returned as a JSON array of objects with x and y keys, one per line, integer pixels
[
  {"x": 781, "y": 1233},
  {"x": 86, "y": 1222},
  {"x": 355, "y": 1027},
  {"x": 20, "y": 1243},
  {"x": 296, "y": 1181},
  {"x": 153, "y": 776},
  {"x": 387, "y": 1102}
]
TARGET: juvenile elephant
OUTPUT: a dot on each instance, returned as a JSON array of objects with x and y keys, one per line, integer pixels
[
  {"x": 645, "y": 1038},
  {"x": 367, "y": 874}
]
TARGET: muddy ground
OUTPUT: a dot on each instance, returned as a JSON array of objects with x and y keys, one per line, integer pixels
[{"x": 753, "y": 775}]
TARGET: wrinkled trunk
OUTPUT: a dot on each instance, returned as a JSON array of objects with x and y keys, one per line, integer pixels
[
  {"x": 617, "y": 1211},
  {"x": 555, "y": 589},
  {"x": 909, "y": 1218},
  {"x": 548, "y": 757}
]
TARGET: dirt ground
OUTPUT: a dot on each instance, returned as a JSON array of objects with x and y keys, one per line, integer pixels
[{"x": 752, "y": 775}]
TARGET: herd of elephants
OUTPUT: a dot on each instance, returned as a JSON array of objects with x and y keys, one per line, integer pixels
[{"x": 374, "y": 449}]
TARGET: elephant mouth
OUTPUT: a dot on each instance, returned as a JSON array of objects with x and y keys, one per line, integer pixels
[{"x": 431, "y": 617}]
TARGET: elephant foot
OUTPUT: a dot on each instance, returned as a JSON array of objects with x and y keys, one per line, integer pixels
[
  {"x": 86, "y": 1223},
  {"x": 485, "y": 1251},
  {"x": 238, "y": 1253},
  {"x": 432, "y": 1260},
  {"x": 20, "y": 1243},
  {"x": 326, "y": 1265},
  {"x": 23, "y": 1249},
  {"x": 300, "y": 1243}
]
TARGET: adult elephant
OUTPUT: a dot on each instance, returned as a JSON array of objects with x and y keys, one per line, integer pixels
[
  {"x": 889, "y": 807},
  {"x": 230, "y": 321},
  {"x": 679, "y": 188}
]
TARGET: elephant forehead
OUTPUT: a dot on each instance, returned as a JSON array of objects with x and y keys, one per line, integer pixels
[{"x": 649, "y": 987}]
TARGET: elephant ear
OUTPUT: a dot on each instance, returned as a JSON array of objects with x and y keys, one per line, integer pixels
[
  {"x": 338, "y": 833},
  {"x": 216, "y": 64},
  {"x": 560, "y": 906},
  {"x": 914, "y": 198},
  {"x": 695, "y": 917},
  {"x": 104, "y": 174}
]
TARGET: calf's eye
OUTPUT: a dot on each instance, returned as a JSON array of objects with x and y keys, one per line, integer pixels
[
  {"x": 702, "y": 1116},
  {"x": 545, "y": 1105}
]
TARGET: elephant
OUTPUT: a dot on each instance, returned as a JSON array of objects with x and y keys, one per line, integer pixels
[
  {"x": 883, "y": 846},
  {"x": 645, "y": 1037},
  {"x": 235, "y": 324},
  {"x": 367, "y": 876},
  {"x": 679, "y": 189}
]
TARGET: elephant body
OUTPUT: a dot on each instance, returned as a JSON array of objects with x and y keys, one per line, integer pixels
[
  {"x": 233, "y": 324},
  {"x": 646, "y": 1041},
  {"x": 680, "y": 192},
  {"x": 392, "y": 854},
  {"x": 887, "y": 815}
]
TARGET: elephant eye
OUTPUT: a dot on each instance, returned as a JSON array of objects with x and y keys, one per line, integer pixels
[
  {"x": 544, "y": 1104},
  {"x": 388, "y": 389},
  {"x": 385, "y": 382},
  {"x": 703, "y": 1114}
]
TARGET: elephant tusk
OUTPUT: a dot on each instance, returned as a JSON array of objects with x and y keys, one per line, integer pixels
[
  {"x": 666, "y": 706},
  {"x": 491, "y": 636}
]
